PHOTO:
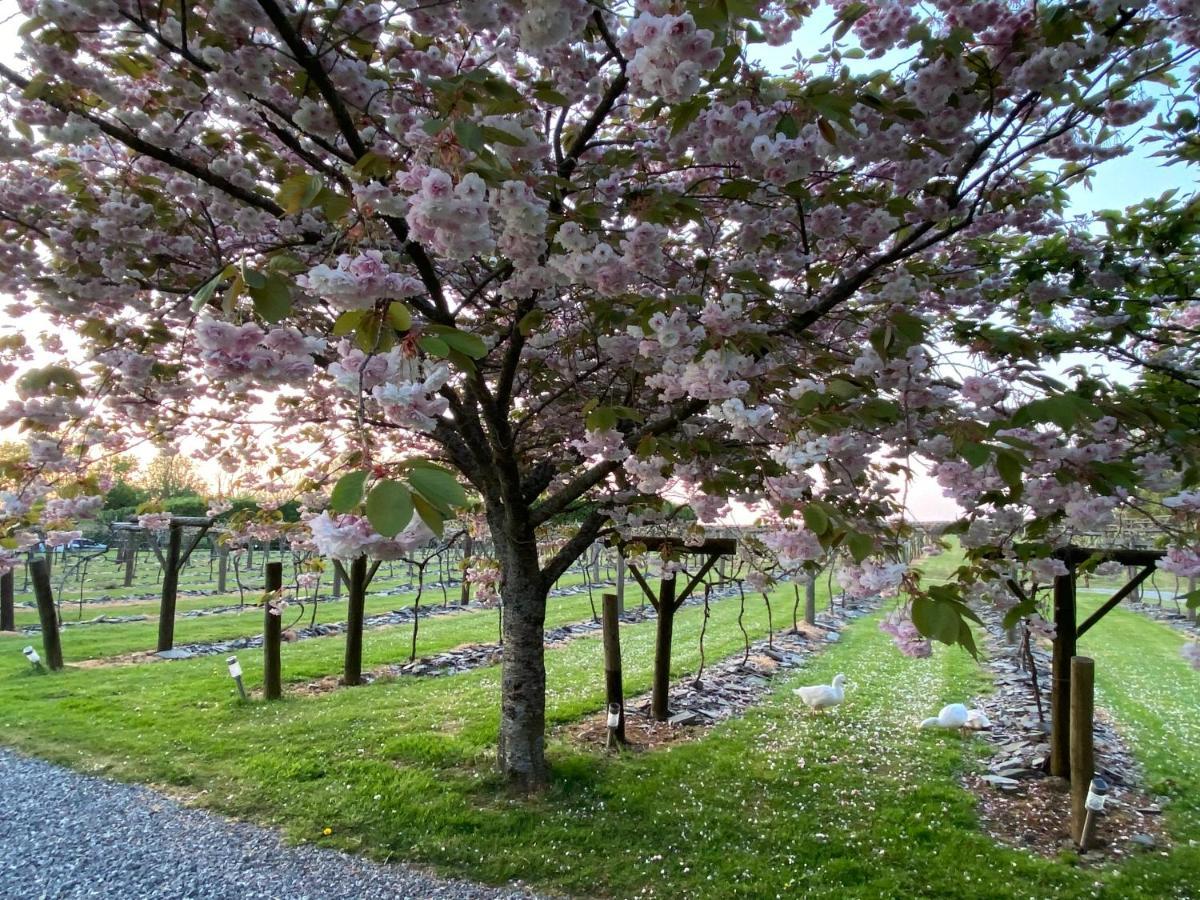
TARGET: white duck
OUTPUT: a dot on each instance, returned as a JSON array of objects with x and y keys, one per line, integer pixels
[
  {"x": 956, "y": 715},
  {"x": 823, "y": 696}
]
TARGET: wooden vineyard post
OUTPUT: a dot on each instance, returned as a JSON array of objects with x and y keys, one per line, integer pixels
[
  {"x": 170, "y": 586},
  {"x": 613, "y": 689},
  {"x": 130, "y": 556},
  {"x": 465, "y": 591},
  {"x": 659, "y": 706},
  {"x": 51, "y": 640},
  {"x": 620, "y": 583},
  {"x": 1060, "y": 674},
  {"x": 222, "y": 569},
  {"x": 810, "y": 600},
  {"x": 1083, "y": 676},
  {"x": 272, "y": 635},
  {"x": 337, "y": 582},
  {"x": 7, "y": 621},
  {"x": 356, "y": 603}
]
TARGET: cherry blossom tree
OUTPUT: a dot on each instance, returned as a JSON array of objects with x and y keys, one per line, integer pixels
[{"x": 581, "y": 255}]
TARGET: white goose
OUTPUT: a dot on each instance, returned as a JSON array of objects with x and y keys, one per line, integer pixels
[
  {"x": 953, "y": 715},
  {"x": 823, "y": 696},
  {"x": 956, "y": 715}
]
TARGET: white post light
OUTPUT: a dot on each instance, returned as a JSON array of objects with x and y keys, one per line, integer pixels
[
  {"x": 614, "y": 723},
  {"x": 235, "y": 672},
  {"x": 1094, "y": 804},
  {"x": 1097, "y": 794},
  {"x": 32, "y": 656},
  {"x": 614, "y": 715}
]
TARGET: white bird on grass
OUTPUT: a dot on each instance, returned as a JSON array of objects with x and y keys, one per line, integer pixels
[
  {"x": 823, "y": 696},
  {"x": 956, "y": 715}
]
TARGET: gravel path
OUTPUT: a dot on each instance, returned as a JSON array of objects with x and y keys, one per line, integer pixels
[{"x": 67, "y": 835}]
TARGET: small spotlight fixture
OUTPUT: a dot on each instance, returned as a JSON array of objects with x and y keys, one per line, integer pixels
[
  {"x": 32, "y": 656},
  {"x": 1097, "y": 795},
  {"x": 235, "y": 672},
  {"x": 614, "y": 724}
]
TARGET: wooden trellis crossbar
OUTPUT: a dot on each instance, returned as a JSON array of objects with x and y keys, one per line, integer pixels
[{"x": 1115, "y": 599}]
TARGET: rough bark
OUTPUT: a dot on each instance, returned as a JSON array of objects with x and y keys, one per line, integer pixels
[{"x": 521, "y": 752}]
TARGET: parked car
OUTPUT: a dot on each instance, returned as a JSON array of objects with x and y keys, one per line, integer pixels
[{"x": 86, "y": 544}]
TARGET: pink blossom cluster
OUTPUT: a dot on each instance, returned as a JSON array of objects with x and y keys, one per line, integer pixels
[
  {"x": 415, "y": 404},
  {"x": 483, "y": 574},
  {"x": 871, "y": 578},
  {"x": 905, "y": 636},
  {"x": 1182, "y": 561},
  {"x": 646, "y": 474},
  {"x": 9, "y": 560},
  {"x": 884, "y": 25},
  {"x": 415, "y": 535},
  {"x": 276, "y": 602},
  {"x": 1184, "y": 502},
  {"x": 588, "y": 262},
  {"x": 1044, "y": 571},
  {"x": 669, "y": 55},
  {"x": 154, "y": 521},
  {"x": 1040, "y": 628},
  {"x": 357, "y": 282},
  {"x": 73, "y": 508},
  {"x": 451, "y": 219},
  {"x": 243, "y": 357},
  {"x": 55, "y": 539},
  {"x": 605, "y": 443},
  {"x": 547, "y": 25},
  {"x": 46, "y": 412},
  {"x": 523, "y": 219},
  {"x": 342, "y": 536},
  {"x": 794, "y": 546}
]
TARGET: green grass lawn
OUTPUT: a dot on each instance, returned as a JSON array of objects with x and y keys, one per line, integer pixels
[{"x": 858, "y": 803}]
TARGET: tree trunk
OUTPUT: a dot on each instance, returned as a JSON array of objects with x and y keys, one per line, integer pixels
[
  {"x": 355, "y": 607},
  {"x": 521, "y": 754}
]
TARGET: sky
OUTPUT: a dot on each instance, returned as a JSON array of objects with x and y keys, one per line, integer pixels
[{"x": 1117, "y": 184}]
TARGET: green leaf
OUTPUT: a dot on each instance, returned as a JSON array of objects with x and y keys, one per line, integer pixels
[
  {"x": 299, "y": 192},
  {"x": 434, "y": 346},
  {"x": 348, "y": 321},
  {"x": 471, "y": 345},
  {"x": 936, "y": 620},
  {"x": 438, "y": 486},
  {"x": 273, "y": 300},
  {"x": 399, "y": 316},
  {"x": 495, "y": 135},
  {"x": 816, "y": 519},
  {"x": 1192, "y": 599},
  {"x": 469, "y": 135},
  {"x": 348, "y": 492},
  {"x": 206, "y": 291},
  {"x": 531, "y": 321},
  {"x": 429, "y": 515},
  {"x": 389, "y": 507},
  {"x": 334, "y": 205},
  {"x": 1008, "y": 465},
  {"x": 601, "y": 419},
  {"x": 860, "y": 545}
]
